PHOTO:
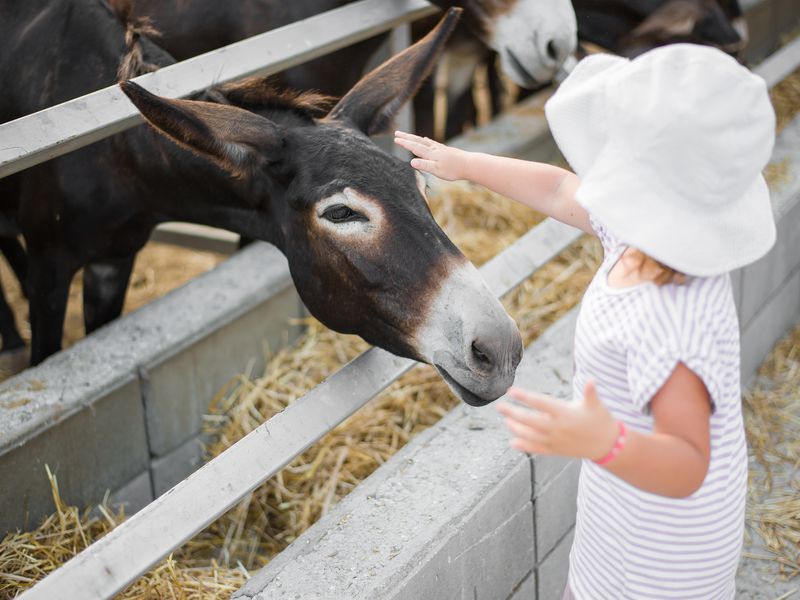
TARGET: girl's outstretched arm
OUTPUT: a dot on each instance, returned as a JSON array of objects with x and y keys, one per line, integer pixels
[
  {"x": 671, "y": 461},
  {"x": 545, "y": 188}
]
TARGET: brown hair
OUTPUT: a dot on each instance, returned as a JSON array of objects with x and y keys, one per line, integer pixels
[{"x": 664, "y": 274}]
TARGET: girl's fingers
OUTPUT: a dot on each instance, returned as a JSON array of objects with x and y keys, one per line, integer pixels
[
  {"x": 540, "y": 402},
  {"x": 424, "y": 165},
  {"x": 527, "y": 433},
  {"x": 523, "y": 415},
  {"x": 412, "y": 146},
  {"x": 414, "y": 138}
]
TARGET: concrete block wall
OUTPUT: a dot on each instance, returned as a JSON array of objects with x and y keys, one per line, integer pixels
[
  {"x": 769, "y": 289},
  {"x": 122, "y": 409},
  {"x": 456, "y": 514}
]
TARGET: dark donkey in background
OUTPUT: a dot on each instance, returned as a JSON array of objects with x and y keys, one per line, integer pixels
[
  {"x": 363, "y": 248},
  {"x": 630, "y": 27},
  {"x": 531, "y": 37}
]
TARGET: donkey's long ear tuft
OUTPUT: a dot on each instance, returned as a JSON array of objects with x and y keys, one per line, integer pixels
[
  {"x": 375, "y": 100},
  {"x": 234, "y": 138}
]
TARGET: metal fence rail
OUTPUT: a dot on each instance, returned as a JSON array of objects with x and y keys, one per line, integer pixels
[{"x": 54, "y": 131}]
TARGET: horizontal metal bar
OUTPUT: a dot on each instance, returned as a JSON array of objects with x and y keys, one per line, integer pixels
[
  {"x": 54, "y": 131},
  {"x": 128, "y": 551},
  {"x": 199, "y": 237},
  {"x": 776, "y": 67}
]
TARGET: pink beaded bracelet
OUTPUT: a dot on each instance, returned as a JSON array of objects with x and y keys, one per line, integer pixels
[{"x": 619, "y": 443}]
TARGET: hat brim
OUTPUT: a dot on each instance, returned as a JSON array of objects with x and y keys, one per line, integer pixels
[{"x": 634, "y": 203}]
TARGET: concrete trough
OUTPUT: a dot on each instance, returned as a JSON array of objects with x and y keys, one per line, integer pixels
[{"x": 122, "y": 409}]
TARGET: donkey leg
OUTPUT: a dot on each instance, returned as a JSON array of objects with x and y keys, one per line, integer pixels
[
  {"x": 18, "y": 260},
  {"x": 104, "y": 286},
  {"x": 8, "y": 326},
  {"x": 48, "y": 283}
]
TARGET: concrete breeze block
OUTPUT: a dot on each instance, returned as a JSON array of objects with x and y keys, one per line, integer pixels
[
  {"x": 180, "y": 387},
  {"x": 526, "y": 590},
  {"x": 103, "y": 446},
  {"x": 552, "y": 572},
  {"x": 490, "y": 551},
  {"x": 134, "y": 495},
  {"x": 773, "y": 320},
  {"x": 166, "y": 471},
  {"x": 762, "y": 278},
  {"x": 555, "y": 507}
]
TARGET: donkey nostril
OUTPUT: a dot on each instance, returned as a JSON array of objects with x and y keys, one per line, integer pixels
[
  {"x": 480, "y": 355},
  {"x": 552, "y": 50}
]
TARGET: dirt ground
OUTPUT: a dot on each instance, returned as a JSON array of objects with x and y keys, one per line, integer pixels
[{"x": 159, "y": 268}]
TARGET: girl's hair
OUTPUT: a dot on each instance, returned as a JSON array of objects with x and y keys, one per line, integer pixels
[{"x": 664, "y": 275}]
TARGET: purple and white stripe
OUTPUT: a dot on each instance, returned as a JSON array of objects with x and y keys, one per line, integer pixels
[{"x": 630, "y": 544}]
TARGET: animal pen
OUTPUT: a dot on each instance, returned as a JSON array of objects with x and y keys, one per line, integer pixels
[{"x": 454, "y": 514}]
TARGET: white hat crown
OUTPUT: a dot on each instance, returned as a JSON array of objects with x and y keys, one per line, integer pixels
[
  {"x": 706, "y": 117},
  {"x": 670, "y": 147}
]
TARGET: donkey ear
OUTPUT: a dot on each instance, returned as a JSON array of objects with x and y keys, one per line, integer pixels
[
  {"x": 374, "y": 101},
  {"x": 235, "y": 138}
]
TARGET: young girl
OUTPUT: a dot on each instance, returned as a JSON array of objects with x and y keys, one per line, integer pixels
[{"x": 668, "y": 150}]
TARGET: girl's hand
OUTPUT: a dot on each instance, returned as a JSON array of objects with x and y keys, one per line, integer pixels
[
  {"x": 583, "y": 429},
  {"x": 435, "y": 158}
]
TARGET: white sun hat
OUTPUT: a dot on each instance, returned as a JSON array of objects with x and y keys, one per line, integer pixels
[{"x": 670, "y": 147}]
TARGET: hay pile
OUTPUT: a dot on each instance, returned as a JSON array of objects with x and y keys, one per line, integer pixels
[
  {"x": 217, "y": 560},
  {"x": 786, "y": 99},
  {"x": 772, "y": 422},
  {"x": 27, "y": 557}
]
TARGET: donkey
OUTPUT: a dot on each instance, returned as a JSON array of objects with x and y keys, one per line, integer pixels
[
  {"x": 531, "y": 37},
  {"x": 364, "y": 251},
  {"x": 631, "y": 27}
]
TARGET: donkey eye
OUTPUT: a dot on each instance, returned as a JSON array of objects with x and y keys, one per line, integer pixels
[{"x": 339, "y": 213}]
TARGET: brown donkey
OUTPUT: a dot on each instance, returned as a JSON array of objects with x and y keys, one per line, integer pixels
[{"x": 363, "y": 248}]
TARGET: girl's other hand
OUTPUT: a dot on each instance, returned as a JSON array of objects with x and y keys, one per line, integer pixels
[
  {"x": 583, "y": 429},
  {"x": 432, "y": 157}
]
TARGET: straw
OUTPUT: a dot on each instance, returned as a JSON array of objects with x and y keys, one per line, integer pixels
[{"x": 772, "y": 423}]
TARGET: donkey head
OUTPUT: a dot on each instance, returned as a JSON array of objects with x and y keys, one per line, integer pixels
[
  {"x": 364, "y": 250},
  {"x": 532, "y": 37}
]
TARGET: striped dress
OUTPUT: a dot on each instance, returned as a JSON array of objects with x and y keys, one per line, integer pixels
[{"x": 631, "y": 544}]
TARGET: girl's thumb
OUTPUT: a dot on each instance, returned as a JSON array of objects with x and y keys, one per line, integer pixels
[{"x": 590, "y": 397}]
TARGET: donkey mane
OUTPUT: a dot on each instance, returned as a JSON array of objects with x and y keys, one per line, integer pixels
[
  {"x": 132, "y": 64},
  {"x": 252, "y": 93},
  {"x": 264, "y": 93}
]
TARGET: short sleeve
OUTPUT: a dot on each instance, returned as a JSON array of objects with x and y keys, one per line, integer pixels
[
  {"x": 655, "y": 353},
  {"x": 606, "y": 238}
]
